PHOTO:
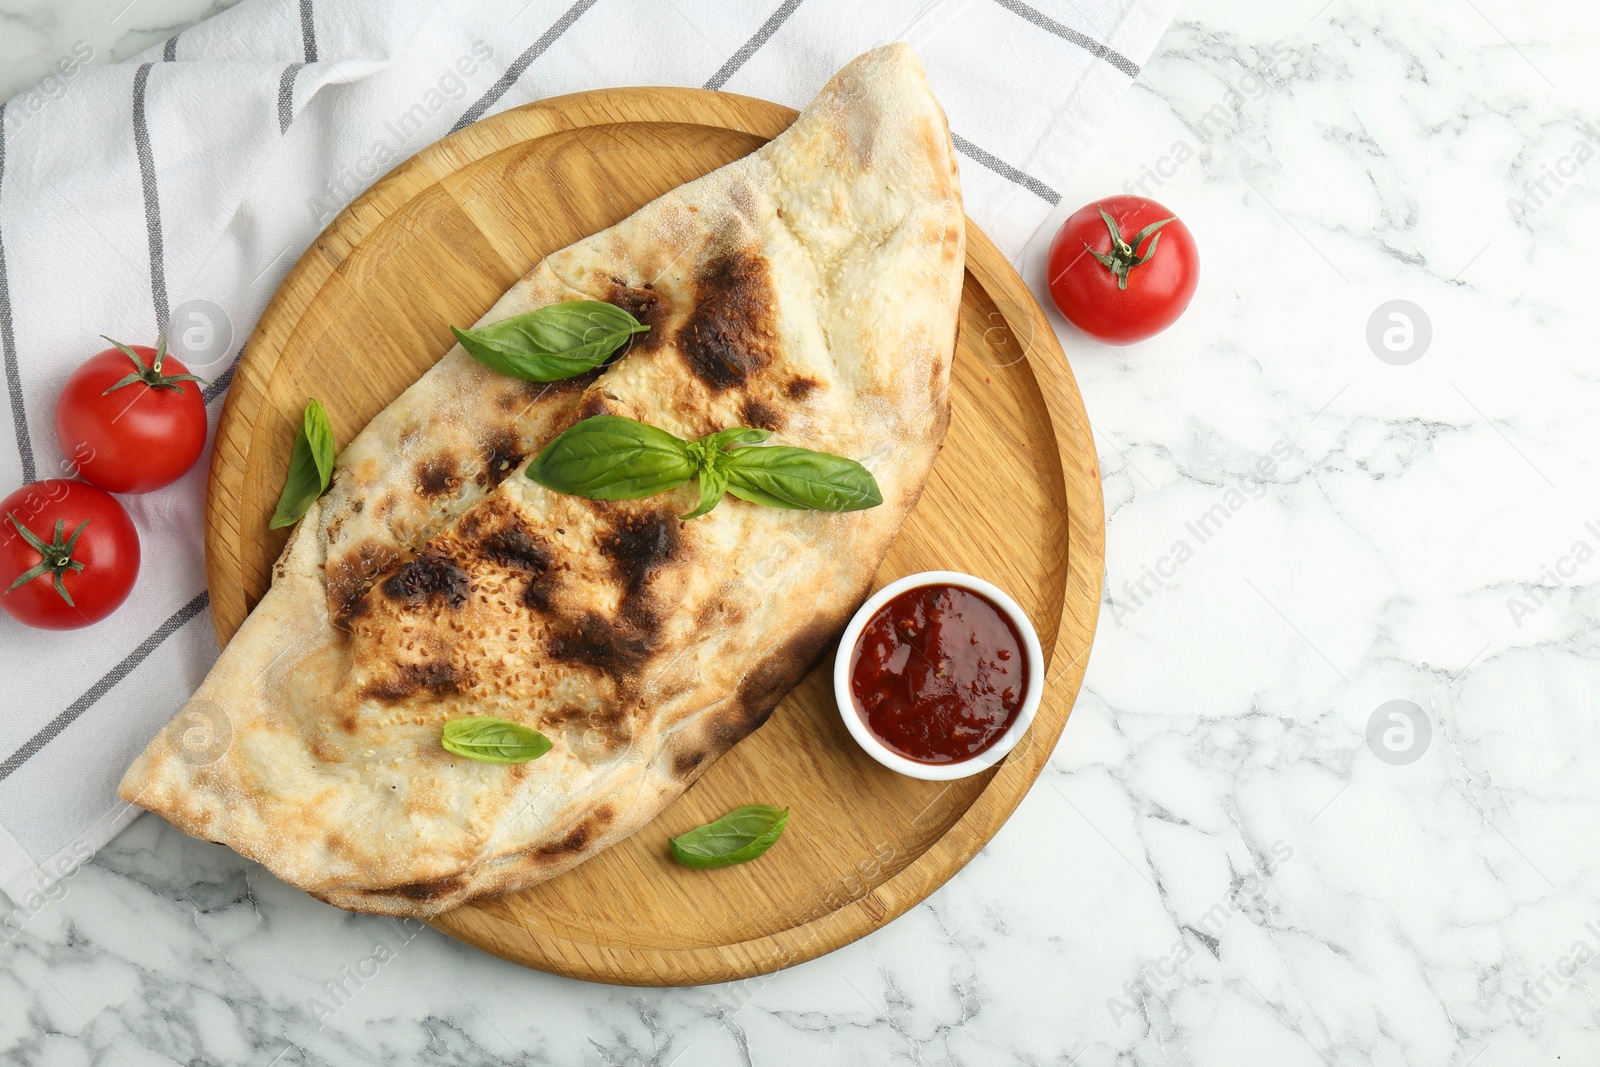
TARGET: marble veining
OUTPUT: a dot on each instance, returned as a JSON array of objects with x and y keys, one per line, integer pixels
[{"x": 1328, "y": 795}]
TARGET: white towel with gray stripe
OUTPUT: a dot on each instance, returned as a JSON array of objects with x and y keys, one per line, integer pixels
[{"x": 171, "y": 194}]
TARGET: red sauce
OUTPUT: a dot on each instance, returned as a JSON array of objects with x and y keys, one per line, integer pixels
[{"x": 938, "y": 674}]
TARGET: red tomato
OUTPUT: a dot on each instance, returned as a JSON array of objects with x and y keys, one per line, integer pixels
[
  {"x": 1123, "y": 269},
  {"x": 68, "y": 554},
  {"x": 132, "y": 419}
]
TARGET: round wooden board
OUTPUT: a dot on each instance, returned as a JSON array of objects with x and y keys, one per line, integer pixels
[{"x": 1014, "y": 498}]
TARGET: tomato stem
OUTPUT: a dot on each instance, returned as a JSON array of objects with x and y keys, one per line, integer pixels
[
  {"x": 151, "y": 375},
  {"x": 1124, "y": 255},
  {"x": 54, "y": 557}
]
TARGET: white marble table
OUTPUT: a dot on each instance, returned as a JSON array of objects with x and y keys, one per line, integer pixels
[{"x": 1237, "y": 856}]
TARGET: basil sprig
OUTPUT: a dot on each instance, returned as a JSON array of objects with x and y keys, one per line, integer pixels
[
  {"x": 310, "y": 466},
  {"x": 490, "y": 740},
  {"x": 555, "y": 342},
  {"x": 738, "y": 837},
  {"x": 608, "y": 457}
]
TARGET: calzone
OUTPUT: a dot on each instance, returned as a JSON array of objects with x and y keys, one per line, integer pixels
[{"x": 811, "y": 289}]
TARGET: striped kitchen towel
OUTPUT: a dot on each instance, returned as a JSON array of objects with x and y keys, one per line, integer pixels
[{"x": 171, "y": 194}]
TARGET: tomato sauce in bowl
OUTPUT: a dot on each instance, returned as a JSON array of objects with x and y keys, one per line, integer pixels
[{"x": 939, "y": 674}]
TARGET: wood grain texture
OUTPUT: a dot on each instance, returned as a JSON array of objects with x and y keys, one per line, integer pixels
[{"x": 1014, "y": 498}]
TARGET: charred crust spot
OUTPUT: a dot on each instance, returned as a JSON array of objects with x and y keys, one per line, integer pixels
[
  {"x": 348, "y": 722},
  {"x": 516, "y": 548},
  {"x": 729, "y": 334},
  {"x": 438, "y": 678},
  {"x": 610, "y": 721},
  {"x": 637, "y": 302},
  {"x": 438, "y": 887},
  {"x": 536, "y": 595},
  {"x": 638, "y": 545},
  {"x": 350, "y": 578},
  {"x": 800, "y": 388},
  {"x": 573, "y": 842},
  {"x": 502, "y": 451},
  {"x": 758, "y": 694},
  {"x": 429, "y": 580},
  {"x": 774, "y": 676},
  {"x": 613, "y": 724},
  {"x": 729, "y": 732},
  {"x": 580, "y": 836},
  {"x": 436, "y": 475},
  {"x": 693, "y": 753},
  {"x": 596, "y": 403},
  {"x": 619, "y": 647},
  {"x": 760, "y": 414},
  {"x": 686, "y": 761},
  {"x": 644, "y": 304}
]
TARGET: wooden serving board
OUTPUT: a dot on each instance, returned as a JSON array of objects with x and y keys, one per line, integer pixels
[{"x": 1014, "y": 498}]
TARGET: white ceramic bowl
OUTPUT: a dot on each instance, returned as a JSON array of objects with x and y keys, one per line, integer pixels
[{"x": 938, "y": 772}]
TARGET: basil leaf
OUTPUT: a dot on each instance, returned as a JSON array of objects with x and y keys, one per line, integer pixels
[
  {"x": 318, "y": 431},
  {"x": 608, "y": 457},
  {"x": 782, "y": 476},
  {"x": 737, "y": 837},
  {"x": 310, "y": 467},
  {"x": 555, "y": 342},
  {"x": 733, "y": 435},
  {"x": 490, "y": 740}
]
